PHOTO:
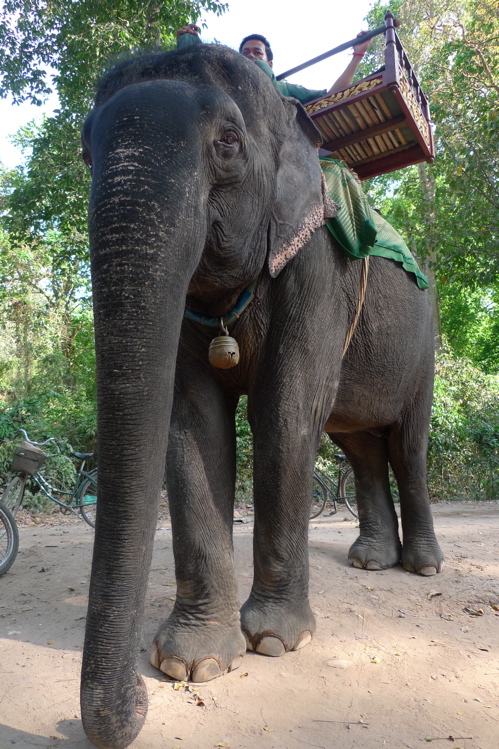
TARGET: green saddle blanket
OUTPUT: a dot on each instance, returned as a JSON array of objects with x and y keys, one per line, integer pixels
[{"x": 358, "y": 228}]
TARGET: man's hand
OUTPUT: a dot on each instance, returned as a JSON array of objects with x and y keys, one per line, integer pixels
[
  {"x": 361, "y": 49},
  {"x": 191, "y": 28},
  {"x": 346, "y": 77}
]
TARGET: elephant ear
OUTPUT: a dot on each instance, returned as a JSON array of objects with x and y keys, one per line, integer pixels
[{"x": 302, "y": 201}]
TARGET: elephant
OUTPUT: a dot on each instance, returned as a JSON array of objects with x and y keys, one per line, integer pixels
[{"x": 206, "y": 182}]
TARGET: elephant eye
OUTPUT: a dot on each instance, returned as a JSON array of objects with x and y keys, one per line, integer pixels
[
  {"x": 229, "y": 139},
  {"x": 228, "y": 147}
]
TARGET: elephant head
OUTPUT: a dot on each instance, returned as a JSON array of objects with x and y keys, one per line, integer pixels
[{"x": 203, "y": 179}]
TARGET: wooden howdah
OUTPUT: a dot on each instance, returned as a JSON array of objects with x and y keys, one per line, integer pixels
[{"x": 382, "y": 122}]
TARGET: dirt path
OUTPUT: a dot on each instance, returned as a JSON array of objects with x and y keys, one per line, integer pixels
[{"x": 397, "y": 659}]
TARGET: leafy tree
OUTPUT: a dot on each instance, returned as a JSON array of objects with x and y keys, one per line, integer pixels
[
  {"x": 66, "y": 44},
  {"x": 463, "y": 456},
  {"x": 46, "y": 342}
]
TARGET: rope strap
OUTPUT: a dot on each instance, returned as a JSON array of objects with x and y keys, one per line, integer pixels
[
  {"x": 230, "y": 317},
  {"x": 360, "y": 303}
]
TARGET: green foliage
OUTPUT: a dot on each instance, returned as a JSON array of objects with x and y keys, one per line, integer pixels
[
  {"x": 46, "y": 343},
  {"x": 244, "y": 453},
  {"x": 64, "y": 415},
  {"x": 463, "y": 457},
  {"x": 49, "y": 194},
  {"x": 68, "y": 44}
]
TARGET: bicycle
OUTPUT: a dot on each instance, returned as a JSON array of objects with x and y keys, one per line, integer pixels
[
  {"x": 339, "y": 491},
  {"x": 9, "y": 539},
  {"x": 28, "y": 458}
]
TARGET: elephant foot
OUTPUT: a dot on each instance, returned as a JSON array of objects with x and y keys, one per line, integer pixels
[
  {"x": 273, "y": 630},
  {"x": 187, "y": 651},
  {"x": 366, "y": 554},
  {"x": 423, "y": 556}
]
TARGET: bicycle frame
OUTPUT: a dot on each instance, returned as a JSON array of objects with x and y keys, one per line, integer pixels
[
  {"x": 76, "y": 500},
  {"x": 332, "y": 487},
  {"x": 47, "y": 487},
  {"x": 326, "y": 482}
]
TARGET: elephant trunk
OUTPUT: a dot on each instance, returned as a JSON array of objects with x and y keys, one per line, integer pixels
[{"x": 146, "y": 241}]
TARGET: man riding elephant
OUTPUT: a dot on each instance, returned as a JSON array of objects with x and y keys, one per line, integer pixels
[{"x": 257, "y": 48}]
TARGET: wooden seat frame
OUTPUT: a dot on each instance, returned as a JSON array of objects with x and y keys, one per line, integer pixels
[{"x": 382, "y": 122}]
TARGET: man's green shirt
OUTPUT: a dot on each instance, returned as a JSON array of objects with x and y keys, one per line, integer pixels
[{"x": 304, "y": 95}]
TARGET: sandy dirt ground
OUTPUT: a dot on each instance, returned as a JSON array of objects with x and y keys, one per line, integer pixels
[{"x": 398, "y": 660}]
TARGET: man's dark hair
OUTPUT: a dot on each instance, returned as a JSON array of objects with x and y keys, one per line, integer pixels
[{"x": 268, "y": 48}]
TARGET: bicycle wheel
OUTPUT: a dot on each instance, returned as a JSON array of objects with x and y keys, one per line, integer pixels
[
  {"x": 347, "y": 491},
  {"x": 13, "y": 493},
  {"x": 319, "y": 497},
  {"x": 87, "y": 495},
  {"x": 9, "y": 539}
]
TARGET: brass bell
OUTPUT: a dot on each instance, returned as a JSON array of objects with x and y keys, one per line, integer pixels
[{"x": 223, "y": 352}]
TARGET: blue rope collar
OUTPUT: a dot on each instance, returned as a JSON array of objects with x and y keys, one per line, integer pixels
[{"x": 230, "y": 317}]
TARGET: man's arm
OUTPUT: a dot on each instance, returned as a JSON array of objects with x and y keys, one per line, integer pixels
[{"x": 346, "y": 77}]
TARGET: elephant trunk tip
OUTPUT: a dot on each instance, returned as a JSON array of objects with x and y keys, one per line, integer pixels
[{"x": 113, "y": 728}]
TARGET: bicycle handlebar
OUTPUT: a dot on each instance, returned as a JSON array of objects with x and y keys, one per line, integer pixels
[{"x": 38, "y": 444}]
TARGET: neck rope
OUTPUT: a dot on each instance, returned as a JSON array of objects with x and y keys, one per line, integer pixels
[{"x": 221, "y": 322}]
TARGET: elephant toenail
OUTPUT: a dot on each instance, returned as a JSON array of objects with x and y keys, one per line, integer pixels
[
  {"x": 270, "y": 646},
  {"x": 303, "y": 640},
  {"x": 206, "y": 670},
  {"x": 427, "y": 571},
  {"x": 236, "y": 663},
  {"x": 174, "y": 668},
  {"x": 372, "y": 565},
  {"x": 155, "y": 658}
]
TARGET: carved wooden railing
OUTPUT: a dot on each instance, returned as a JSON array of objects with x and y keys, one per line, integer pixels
[{"x": 380, "y": 123}]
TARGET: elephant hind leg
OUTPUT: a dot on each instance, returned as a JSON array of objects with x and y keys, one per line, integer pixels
[
  {"x": 378, "y": 545},
  {"x": 421, "y": 552}
]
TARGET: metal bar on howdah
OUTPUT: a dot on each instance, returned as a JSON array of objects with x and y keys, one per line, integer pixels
[{"x": 358, "y": 40}]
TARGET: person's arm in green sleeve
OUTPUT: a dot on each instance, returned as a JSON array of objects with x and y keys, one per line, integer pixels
[
  {"x": 188, "y": 35},
  {"x": 304, "y": 95}
]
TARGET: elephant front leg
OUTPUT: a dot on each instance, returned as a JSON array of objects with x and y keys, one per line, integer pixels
[
  {"x": 202, "y": 637},
  {"x": 277, "y": 616}
]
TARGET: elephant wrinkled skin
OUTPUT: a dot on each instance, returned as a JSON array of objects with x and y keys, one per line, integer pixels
[{"x": 205, "y": 179}]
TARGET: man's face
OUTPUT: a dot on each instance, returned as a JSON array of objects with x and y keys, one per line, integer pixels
[{"x": 254, "y": 49}]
